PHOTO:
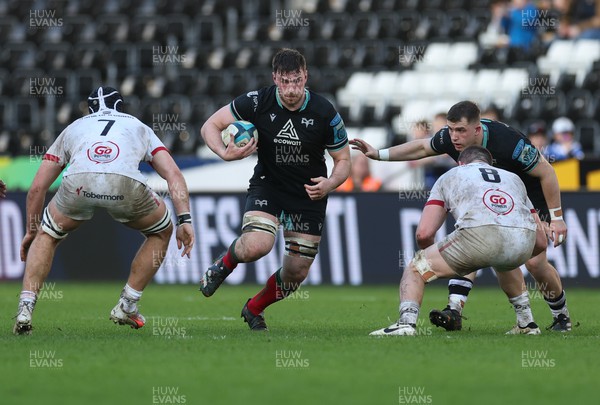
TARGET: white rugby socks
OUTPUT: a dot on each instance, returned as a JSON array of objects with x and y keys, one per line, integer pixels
[
  {"x": 409, "y": 312},
  {"x": 129, "y": 298},
  {"x": 522, "y": 309}
]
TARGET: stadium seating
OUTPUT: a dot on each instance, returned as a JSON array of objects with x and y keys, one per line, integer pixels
[{"x": 381, "y": 61}]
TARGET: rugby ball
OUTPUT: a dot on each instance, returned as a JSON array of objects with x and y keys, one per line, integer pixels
[{"x": 242, "y": 132}]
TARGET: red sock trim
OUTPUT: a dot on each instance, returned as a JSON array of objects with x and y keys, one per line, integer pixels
[
  {"x": 228, "y": 261},
  {"x": 270, "y": 294}
]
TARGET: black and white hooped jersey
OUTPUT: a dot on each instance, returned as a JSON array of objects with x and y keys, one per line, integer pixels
[{"x": 291, "y": 144}]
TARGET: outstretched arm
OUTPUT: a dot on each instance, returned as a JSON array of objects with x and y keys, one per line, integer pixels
[{"x": 412, "y": 150}]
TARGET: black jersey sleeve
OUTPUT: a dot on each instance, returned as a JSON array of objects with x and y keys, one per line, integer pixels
[
  {"x": 244, "y": 107},
  {"x": 524, "y": 154},
  {"x": 441, "y": 143},
  {"x": 337, "y": 137}
]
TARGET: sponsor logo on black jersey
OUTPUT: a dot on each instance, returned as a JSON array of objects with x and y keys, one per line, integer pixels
[
  {"x": 254, "y": 96},
  {"x": 288, "y": 135},
  {"x": 307, "y": 122}
]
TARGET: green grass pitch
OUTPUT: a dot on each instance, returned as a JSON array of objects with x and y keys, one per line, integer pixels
[{"x": 196, "y": 350}]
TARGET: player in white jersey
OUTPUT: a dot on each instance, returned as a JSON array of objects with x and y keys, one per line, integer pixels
[
  {"x": 103, "y": 150},
  {"x": 495, "y": 227}
]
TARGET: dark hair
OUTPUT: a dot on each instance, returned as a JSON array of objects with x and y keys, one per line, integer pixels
[
  {"x": 464, "y": 109},
  {"x": 288, "y": 60},
  {"x": 475, "y": 152}
]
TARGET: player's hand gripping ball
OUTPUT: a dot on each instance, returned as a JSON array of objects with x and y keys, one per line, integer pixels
[{"x": 242, "y": 132}]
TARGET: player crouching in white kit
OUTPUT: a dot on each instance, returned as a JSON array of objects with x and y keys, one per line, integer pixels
[
  {"x": 104, "y": 150},
  {"x": 495, "y": 228}
]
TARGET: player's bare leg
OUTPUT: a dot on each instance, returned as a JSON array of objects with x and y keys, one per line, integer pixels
[
  {"x": 257, "y": 240},
  {"x": 279, "y": 286},
  {"x": 426, "y": 265},
  {"x": 37, "y": 266},
  {"x": 301, "y": 250},
  {"x": 148, "y": 259},
  {"x": 549, "y": 283},
  {"x": 144, "y": 266}
]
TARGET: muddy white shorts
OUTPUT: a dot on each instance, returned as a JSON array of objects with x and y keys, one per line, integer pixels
[
  {"x": 503, "y": 248},
  {"x": 124, "y": 198}
]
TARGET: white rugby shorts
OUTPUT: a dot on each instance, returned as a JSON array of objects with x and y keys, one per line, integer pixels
[
  {"x": 503, "y": 248},
  {"x": 124, "y": 198}
]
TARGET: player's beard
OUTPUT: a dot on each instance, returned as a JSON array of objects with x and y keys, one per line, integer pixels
[{"x": 292, "y": 99}]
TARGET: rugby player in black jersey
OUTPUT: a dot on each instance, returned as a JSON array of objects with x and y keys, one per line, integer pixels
[
  {"x": 290, "y": 184},
  {"x": 511, "y": 151}
]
